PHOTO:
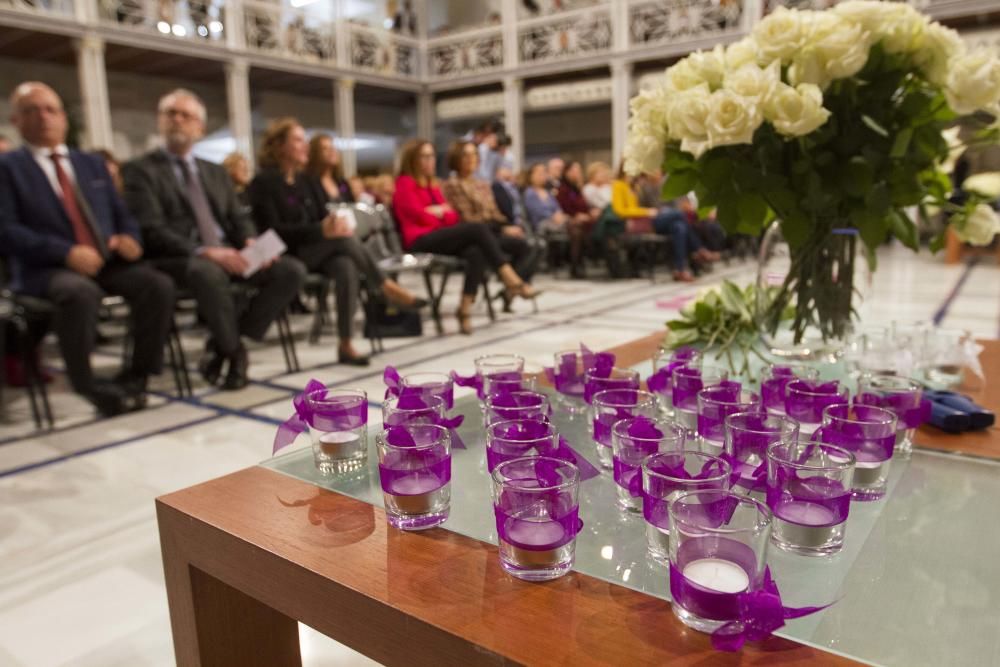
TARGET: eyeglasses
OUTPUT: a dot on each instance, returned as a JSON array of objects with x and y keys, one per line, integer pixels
[{"x": 180, "y": 113}]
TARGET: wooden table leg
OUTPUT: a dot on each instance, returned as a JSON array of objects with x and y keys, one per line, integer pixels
[
  {"x": 216, "y": 625},
  {"x": 952, "y": 247}
]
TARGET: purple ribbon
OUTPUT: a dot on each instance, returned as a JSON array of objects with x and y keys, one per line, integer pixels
[
  {"x": 393, "y": 383},
  {"x": 419, "y": 402},
  {"x": 655, "y": 508},
  {"x": 409, "y": 472},
  {"x": 787, "y": 488},
  {"x": 567, "y": 376},
  {"x": 641, "y": 439},
  {"x": 473, "y": 381},
  {"x": 538, "y": 535},
  {"x": 912, "y": 409},
  {"x": 566, "y": 452},
  {"x": 328, "y": 418}
]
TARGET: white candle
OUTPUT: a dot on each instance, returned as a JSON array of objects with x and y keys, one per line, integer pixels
[
  {"x": 338, "y": 444},
  {"x": 535, "y": 533},
  {"x": 717, "y": 574},
  {"x": 412, "y": 493},
  {"x": 805, "y": 513}
]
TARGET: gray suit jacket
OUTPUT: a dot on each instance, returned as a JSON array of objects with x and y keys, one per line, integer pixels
[{"x": 158, "y": 202}]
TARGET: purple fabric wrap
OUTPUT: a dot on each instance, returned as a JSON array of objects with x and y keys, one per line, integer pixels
[
  {"x": 519, "y": 405},
  {"x": 394, "y": 387},
  {"x": 503, "y": 383},
  {"x": 601, "y": 380},
  {"x": 567, "y": 452},
  {"x": 911, "y": 408},
  {"x": 420, "y": 411},
  {"x": 869, "y": 442},
  {"x": 393, "y": 383},
  {"x": 772, "y": 390},
  {"x": 511, "y": 440},
  {"x": 787, "y": 486},
  {"x": 413, "y": 467},
  {"x": 659, "y": 382},
  {"x": 538, "y": 535},
  {"x": 567, "y": 375},
  {"x": 641, "y": 439},
  {"x": 722, "y": 402},
  {"x": 752, "y": 615},
  {"x": 807, "y": 407},
  {"x": 742, "y": 445},
  {"x": 532, "y": 517},
  {"x": 604, "y": 420},
  {"x": 656, "y": 495},
  {"x": 473, "y": 381},
  {"x": 350, "y": 414},
  {"x": 687, "y": 382}
]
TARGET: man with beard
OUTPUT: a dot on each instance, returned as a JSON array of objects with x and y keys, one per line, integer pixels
[{"x": 195, "y": 228}]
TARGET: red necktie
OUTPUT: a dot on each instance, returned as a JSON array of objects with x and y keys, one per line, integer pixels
[{"x": 81, "y": 230}]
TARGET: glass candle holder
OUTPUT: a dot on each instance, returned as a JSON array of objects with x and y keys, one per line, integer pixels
[
  {"x": 414, "y": 467},
  {"x": 338, "y": 429},
  {"x": 429, "y": 384},
  {"x": 718, "y": 545},
  {"x": 507, "y": 383},
  {"x": 667, "y": 476},
  {"x": 776, "y": 379},
  {"x": 714, "y": 405},
  {"x": 904, "y": 397},
  {"x": 686, "y": 382},
  {"x": 869, "y": 433},
  {"x": 505, "y": 366},
  {"x": 664, "y": 364},
  {"x": 535, "y": 502},
  {"x": 805, "y": 401},
  {"x": 944, "y": 356},
  {"x": 568, "y": 372},
  {"x": 596, "y": 380},
  {"x": 412, "y": 409},
  {"x": 632, "y": 440},
  {"x": 809, "y": 493},
  {"x": 516, "y": 438},
  {"x": 612, "y": 405},
  {"x": 748, "y": 435},
  {"x": 516, "y": 405}
]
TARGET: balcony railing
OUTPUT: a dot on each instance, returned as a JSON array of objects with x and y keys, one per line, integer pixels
[
  {"x": 573, "y": 34},
  {"x": 187, "y": 19},
  {"x": 654, "y": 22},
  {"x": 384, "y": 53},
  {"x": 45, "y": 7},
  {"x": 289, "y": 32},
  {"x": 470, "y": 52}
]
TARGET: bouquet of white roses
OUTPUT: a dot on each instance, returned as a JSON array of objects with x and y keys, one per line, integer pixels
[{"x": 821, "y": 120}]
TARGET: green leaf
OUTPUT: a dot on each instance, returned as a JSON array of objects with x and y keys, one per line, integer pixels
[
  {"x": 872, "y": 227},
  {"x": 703, "y": 312},
  {"x": 901, "y": 143},
  {"x": 679, "y": 183},
  {"x": 937, "y": 243},
  {"x": 753, "y": 213},
  {"x": 677, "y": 325},
  {"x": 858, "y": 177},
  {"x": 879, "y": 200},
  {"x": 904, "y": 230},
  {"x": 874, "y": 125}
]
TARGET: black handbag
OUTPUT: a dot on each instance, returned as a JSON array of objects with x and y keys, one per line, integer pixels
[{"x": 388, "y": 321}]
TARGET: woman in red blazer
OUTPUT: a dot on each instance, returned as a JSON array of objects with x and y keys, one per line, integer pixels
[{"x": 428, "y": 224}]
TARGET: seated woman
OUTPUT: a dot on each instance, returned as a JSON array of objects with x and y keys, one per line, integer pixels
[
  {"x": 541, "y": 206},
  {"x": 294, "y": 204},
  {"x": 582, "y": 215},
  {"x": 238, "y": 168},
  {"x": 597, "y": 191},
  {"x": 666, "y": 222},
  {"x": 324, "y": 165},
  {"x": 473, "y": 200},
  {"x": 428, "y": 224}
]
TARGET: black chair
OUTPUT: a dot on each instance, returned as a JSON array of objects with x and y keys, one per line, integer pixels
[{"x": 17, "y": 313}]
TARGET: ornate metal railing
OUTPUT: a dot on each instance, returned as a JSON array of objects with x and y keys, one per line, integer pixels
[
  {"x": 186, "y": 19},
  {"x": 287, "y": 31},
  {"x": 48, "y": 7},
  {"x": 548, "y": 8},
  {"x": 470, "y": 52},
  {"x": 567, "y": 35},
  {"x": 935, "y": 8},
  {"x": 654, "y": 22},
  {"x": 383, "y": 52}
]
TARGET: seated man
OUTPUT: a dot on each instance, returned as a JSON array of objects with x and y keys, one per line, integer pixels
[
  {"x": 194, "y": 227},
  {"x": 71, "y": 240}
]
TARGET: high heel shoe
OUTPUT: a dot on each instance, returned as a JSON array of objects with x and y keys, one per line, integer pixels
[
  {"x": 523, "y": 290},
  {"x": 464, "y": 322}
]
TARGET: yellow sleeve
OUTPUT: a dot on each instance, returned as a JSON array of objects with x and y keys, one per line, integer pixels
[{"x": 624, "y": 202}]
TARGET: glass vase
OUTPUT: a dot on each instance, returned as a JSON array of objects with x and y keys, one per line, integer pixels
[{"x": 810, "y": 296}]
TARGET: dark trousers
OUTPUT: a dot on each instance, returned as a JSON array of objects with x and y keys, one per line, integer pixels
[
  {"x": 343, "y": 260},
  {"x": 674, "y": 224},
  {"x": 210, "y": 285},
  {"x": 150, "y": 297},
  {"x": 523, "y": 256},
  {"x": 473, "y": 242}
]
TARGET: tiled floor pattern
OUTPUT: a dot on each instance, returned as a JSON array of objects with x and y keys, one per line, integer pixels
[{"x": 81, "y": 582}]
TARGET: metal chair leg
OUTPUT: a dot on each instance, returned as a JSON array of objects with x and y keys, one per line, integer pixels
[
  {"x": 435, "y": 301},
  {"x": 489, "y": 300},
  {"x": 288, "y": 344}
]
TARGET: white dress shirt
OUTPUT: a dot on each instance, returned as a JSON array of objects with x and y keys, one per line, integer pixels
[
  {"x": 43, "y": 156},
  {"x": 598, "y": 196}
]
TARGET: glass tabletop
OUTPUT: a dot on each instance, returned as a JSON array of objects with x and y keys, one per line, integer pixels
[{"x": 917, "y": 582}]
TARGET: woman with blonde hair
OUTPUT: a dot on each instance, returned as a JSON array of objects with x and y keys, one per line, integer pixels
[
  {"x": 294, "y": 204},
  {"x": 429, "y": 224}
]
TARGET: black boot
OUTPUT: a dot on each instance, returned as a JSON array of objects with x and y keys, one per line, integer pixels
[
  {"x": 210, "y": 364},
  {"x": 239, "y": 363}
]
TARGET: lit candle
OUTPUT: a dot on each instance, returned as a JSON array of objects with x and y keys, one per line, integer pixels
[
  {"x": 805, "y": 524},
  {"x": 536, "y": 534},
  {"x": 339, "y": 444},
  {"x": 717, "y": 574},
  {"x": 413, "y": 493}
]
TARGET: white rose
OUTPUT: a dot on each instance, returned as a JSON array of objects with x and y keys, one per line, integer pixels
[
  {"x": 869, "y": 14},
  {"x": 709, "y": 65},
  {"x": 681, "y": 76},
  {"x": 903, "y": 29},
  {"x": 842, "y": 46},
  {"x": 986, "y": 184},
  {"x": 973, "y": 81},
  {"x": 956, "y": 147},
  {"x": 752, "y": 82},
  {"x": 732, "y": 119},
  {"x": 940, "y": 46},
  {"x": 643, "y": 153},
  {"x": 741, "y": 53},
  {"x": 779, "y": 35},
  {"x": 649, "y": 108},
  {"x": 979, "y": 227},
  {"x": 795, "y": 112},
  {"x": 686, "y": 119},
  {"x": 808, "y": 68}
]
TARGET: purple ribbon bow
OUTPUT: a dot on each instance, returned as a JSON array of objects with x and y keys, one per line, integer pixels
[
  {"x": 566, "y": 452},
  {"x": 305, "y": 416},
  {"x": 393, "y": 382},
  {"x": 761, "y": 613},
  {"x": 912, "y": 410},
  {"x": 568, "y": 379},
  {"x": 473, "y": 381}
]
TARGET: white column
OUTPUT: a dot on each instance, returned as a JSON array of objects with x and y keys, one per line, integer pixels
[
  {"x": 621, "y": 93},
  {"x": 425, "y": 115},
  {"x": 343, "y": 93},
  {"x": 85, "y": 11},
  {"x": 94, "y": 92},
  {"x": 619, "y": 27},
  {"x": 235, "y": 25},
  {"x": 238, "y": 103},
  {"x": 508, "y": 22},
  {"x": 513, "y": 105}
]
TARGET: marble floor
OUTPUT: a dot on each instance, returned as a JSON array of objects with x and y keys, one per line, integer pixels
[{"x": 81, "y": 582}]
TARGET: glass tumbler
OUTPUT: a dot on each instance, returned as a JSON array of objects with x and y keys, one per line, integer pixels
[
  {"x": 338, "y": 429},
  {"x": 500, "y": 366},
  {"x": 412, "y": 409},
  {"x": 748, "y": 435},
  {"x": 537, "y": 511},
  {"x": 776, "y": 379},
  {"x": 714, "y": 405},
  {"x": 507, "y": 383},
  {"x": 867, "y": 432},
  {"x": 516, "y": 405},
  {"x": 805, "y": 401},
  {"x": 718, "y": 547},
  {"x": 632, "y": 440},
  {"x": 515, "y": 438},
  {"x": 429, "y": 384},
  {"x": 686, "y": 382},
  {"x": 809, "y": 493},
  {"x": 611, "y": 406},
  {"x": 596, "y": 380},
  {"x": 904, "y": 397},
  {"x": 664, "y": 364},
  {"x": 414, "y": 467}
]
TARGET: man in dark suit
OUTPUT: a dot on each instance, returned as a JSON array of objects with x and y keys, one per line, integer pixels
[
  {"x": 194, "y": 227},
  {"x": 71, "y": 240}
]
